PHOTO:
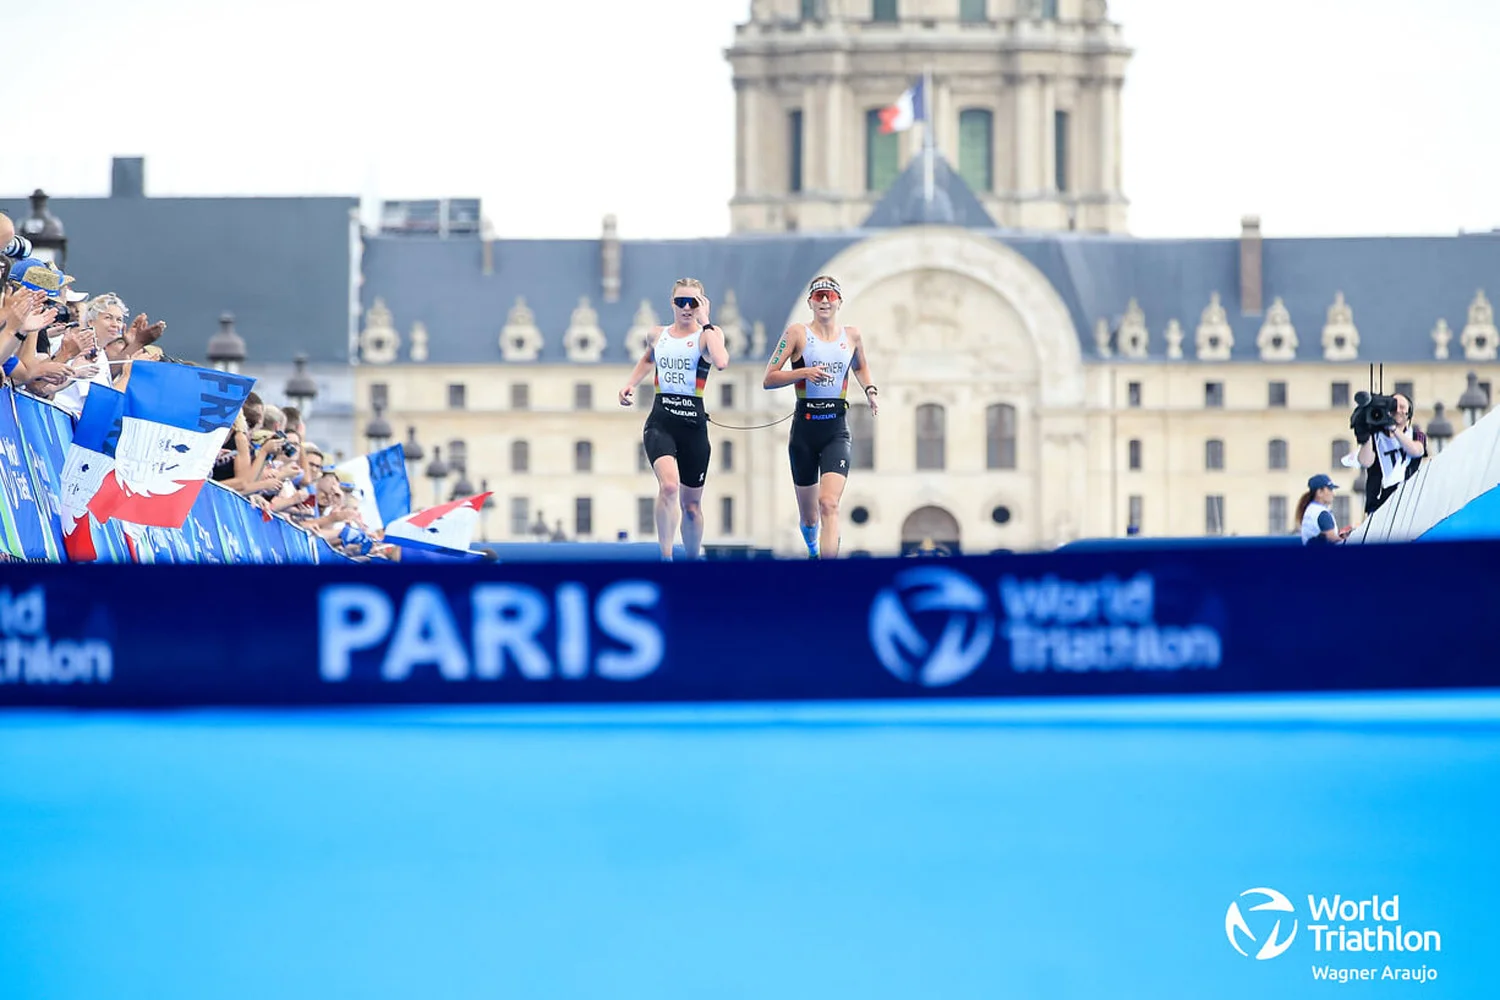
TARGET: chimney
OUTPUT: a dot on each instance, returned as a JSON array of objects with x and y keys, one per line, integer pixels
[
  {"x": 1251, "y": 280},
  {"x": 609, "y": 250},
  {"x": 127, "y": 178}
]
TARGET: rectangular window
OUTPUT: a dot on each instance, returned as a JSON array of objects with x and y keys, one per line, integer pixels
[
  {"x": 520, "y": 396},
  {"x": 1339, "y": 394},
  {"x": 726, "y": 515},
  {"x": 1213, "y": 395},
  {"x": 976, "y": 145},
  {"x": 1000, "y": 436},
  {"x": 971, "y": 11},
  {"x": 1340, "y": 449},
  {"x": 583, "y": 396},
  {"x": 1276, "y": 516},
  {"x": 520, "y": 515},
  {"x": 883, "y": 10},
  {"x": 1136, "y": 513},
  {"x": 380, "y": 396},
  {"x": 645, "y": 517},
  {"x": 1341, "y": 509},
  {"x": 1060, "y": 136},
  {"x": 1276, "y": 396},
  {"x": 726, "y": 395},
  {"x": 1276, "y": 454},
  {"x": 794, "y": 151},
  {"x": 583, "y": 516},
  {"x": 1213, "y": 515},
  {"x": 862, "y": 437},
  {"x": 1133, "y": 393},
  {"x": 583, "y": 456},
  {"x": 726, "y": 456},
  {"x": 1213, "y": 455},
  {"x": 457, "y": 396},
  {"x": 1135, "y": 455},
  {"x": 882, "y": 153}
]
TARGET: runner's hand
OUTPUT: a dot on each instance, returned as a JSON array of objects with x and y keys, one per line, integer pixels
[
  {"x": 627, "y": 395},
  {"x": 813, "y": 373}
]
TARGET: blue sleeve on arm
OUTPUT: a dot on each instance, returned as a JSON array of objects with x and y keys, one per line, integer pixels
[{"x": 1325, "y": 521}]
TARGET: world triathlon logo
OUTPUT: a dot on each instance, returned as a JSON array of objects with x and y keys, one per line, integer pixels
[
  {"x": 950, "y": 605},
  {"x": 1236, "y": 927}
]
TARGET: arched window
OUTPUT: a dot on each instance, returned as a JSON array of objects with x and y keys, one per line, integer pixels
[
  {"x": 931, "y": 436},
  {"x": 1000, "y": 436},
  {"x": 1276, "y": 454},
  {"x": 976, "y": 145},
  {"x": 882, "y": 153},
  {"x": 520, "y": 456},
  {"x": 862, "y": 437},
  {"x": 583, "y": 456},
  {"x": 1213, "y": 454}
]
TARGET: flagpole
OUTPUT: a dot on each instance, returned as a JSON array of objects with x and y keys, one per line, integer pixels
[{"x": 927, "y": 144}]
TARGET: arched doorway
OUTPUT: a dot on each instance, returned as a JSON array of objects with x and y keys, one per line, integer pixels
[{"x": 929, "y": 531}]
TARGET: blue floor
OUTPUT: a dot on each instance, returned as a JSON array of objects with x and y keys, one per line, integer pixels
[{"x": 1050, "y": 850}]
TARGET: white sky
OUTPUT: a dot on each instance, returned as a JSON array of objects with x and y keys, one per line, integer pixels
[{"x": 1326, "y": 117}]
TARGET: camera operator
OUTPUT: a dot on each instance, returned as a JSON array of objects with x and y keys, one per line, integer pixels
[{"x": 1391, "y": 454}]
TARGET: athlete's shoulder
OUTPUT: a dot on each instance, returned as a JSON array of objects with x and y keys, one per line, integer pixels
[{"x": 852, "y": 332}]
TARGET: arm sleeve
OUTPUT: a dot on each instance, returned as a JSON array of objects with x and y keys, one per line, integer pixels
[{"x": 1325, "y": 521}]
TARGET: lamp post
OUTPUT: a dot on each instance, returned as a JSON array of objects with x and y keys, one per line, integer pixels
[
  {"x": 300, "y": 388},
  {"x": 412, "y": 451},
  {"x": 49, "y": 241},
  {"x": 226, "y": 349},
  {"x": 437, "y": 471},
  {"x": 462, "y": 488},
  {"x": 1440, "y": 430},
  {"x": 485, "y": 509},
  {"x": 378, "y": 431},
  {"x": 1473, "y": 402}
]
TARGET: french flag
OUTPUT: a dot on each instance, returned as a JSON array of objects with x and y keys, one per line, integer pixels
[
  {"x": 910, "y": 108},
  {"x": 438, "y": 533},
  {"x": 174, "y": 421},
  {"x": 90, "y": 458}
]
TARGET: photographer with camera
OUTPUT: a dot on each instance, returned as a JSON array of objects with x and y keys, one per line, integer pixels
[{"x": 1390, "y": 446}]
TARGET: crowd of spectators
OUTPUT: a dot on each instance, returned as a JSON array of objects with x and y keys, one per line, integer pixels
[{"x": 57, "y": 341}]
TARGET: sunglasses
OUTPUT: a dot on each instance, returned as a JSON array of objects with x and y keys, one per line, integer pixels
[
  {"x": 825, "y": 295},
  {"x": 685, "y": 302}
]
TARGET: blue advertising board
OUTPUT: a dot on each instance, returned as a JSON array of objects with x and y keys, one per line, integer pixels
[{"x": 1161, "y": 621}]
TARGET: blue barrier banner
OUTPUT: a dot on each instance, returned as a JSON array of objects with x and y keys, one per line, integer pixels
[
  {"x": 1163, "y": 621},
  {"x": 221, "y": 527},
  {"x": 45, "y": 432},
  {"x": 25, "y": 531}
]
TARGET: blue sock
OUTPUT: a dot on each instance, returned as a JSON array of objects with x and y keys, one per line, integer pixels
[{"x": 810, "y": 536}]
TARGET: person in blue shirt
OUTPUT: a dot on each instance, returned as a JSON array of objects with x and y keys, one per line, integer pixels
[{"x": 1315, "y": 512}]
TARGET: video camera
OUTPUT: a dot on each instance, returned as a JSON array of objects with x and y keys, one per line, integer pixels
[{"x": 1371, "y": 414}]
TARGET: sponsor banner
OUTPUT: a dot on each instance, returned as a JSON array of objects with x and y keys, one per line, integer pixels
[{"x": 1153, "y": 622}]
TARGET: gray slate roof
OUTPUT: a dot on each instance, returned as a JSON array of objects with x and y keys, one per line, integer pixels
[
  {"x": 1397, "y": 287},
  {"x": 280, "y": 265}
]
